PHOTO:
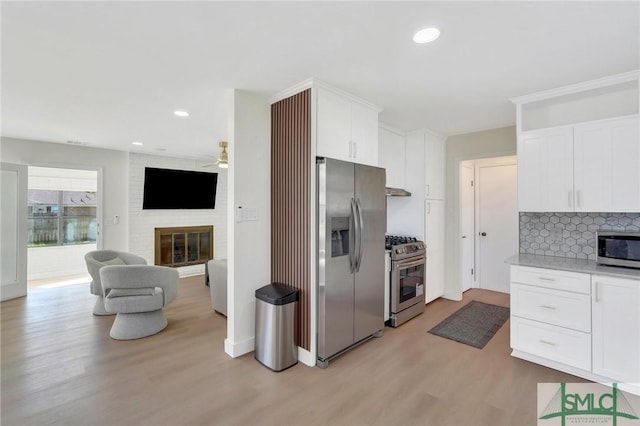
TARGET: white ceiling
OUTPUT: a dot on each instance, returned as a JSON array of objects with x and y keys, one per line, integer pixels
[{"x": 109, "y": 73}]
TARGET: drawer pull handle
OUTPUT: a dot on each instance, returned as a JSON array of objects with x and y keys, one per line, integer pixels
[
  {"x": 547, "y": 279},
  {"x": 551, "y": 308},
  {"x": 546, "y": 342}
]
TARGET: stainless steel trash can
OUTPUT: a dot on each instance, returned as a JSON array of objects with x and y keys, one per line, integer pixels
[{"x": 275, "y": 346}]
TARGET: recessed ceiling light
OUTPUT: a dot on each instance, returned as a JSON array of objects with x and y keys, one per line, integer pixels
[
  {"x": 426, "y": 35},
  {"x": 181, "y": 113},
  {"x": 137, "y": 143}
]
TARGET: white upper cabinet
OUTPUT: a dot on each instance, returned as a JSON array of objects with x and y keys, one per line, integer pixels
[
  {"x": 346, "y": 128},
  {"x": 391, "y": 152},
  {"x": 364, "y": 134},
  {"x": 435, "y": 158},
  {"x": 607, "y": 166},
  {"x": 591, "y": 167},
  {"x": 545, "y": 171},
  {"x": 333, "y": 125},
  {"x": 579, "y": 147}
]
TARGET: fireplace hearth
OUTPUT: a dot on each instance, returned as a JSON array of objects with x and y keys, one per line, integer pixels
[{"x": 183, "y": 245}]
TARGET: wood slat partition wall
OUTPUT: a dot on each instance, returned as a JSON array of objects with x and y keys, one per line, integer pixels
[{"x": 291, "y": 162}]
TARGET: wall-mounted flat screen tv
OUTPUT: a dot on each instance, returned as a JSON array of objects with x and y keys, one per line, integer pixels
[{"x": 178, "y": 189}]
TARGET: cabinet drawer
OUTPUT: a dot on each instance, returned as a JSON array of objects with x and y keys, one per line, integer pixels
[
  {"x": 549, "y": 278},
  {"x": 555, "y": 343},
  {"x": 555, "y": 307}
]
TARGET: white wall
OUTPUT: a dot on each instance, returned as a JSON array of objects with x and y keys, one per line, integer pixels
[
  {"x": 485, "y": 144},
  {"x": 113, "y": 178},
  {"x": 9, "y": 213},
  {"x": 249, "y": 265},
  {"x": 142, "y": 223},
  {"x": 57, "y": 261},
  {"x": 62, "y": 179}
]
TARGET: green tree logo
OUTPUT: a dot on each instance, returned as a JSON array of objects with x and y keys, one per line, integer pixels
[{"x": 565, "y": 404}]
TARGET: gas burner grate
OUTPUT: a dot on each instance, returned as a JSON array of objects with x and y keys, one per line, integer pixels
[{"x": 396, "y": 240}]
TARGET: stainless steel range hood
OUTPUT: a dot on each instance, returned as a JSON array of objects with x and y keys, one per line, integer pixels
[{"x": 397, "y": 192}]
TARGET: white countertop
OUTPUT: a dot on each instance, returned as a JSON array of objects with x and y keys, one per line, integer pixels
[{"x": 574, "y": 265}]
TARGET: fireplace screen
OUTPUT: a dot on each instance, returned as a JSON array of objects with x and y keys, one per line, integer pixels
[{"x": 182, "y": 246}]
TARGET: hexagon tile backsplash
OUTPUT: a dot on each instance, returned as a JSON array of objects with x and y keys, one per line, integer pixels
[{"x": 570, "y": 234}]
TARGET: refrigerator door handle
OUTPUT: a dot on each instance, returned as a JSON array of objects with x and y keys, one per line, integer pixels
[
  {"x": 359, "y": 235},
  {"x": 353, "y": 225}
]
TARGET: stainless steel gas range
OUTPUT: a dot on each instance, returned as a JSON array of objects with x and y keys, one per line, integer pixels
[{"x": 407, "y": 280}]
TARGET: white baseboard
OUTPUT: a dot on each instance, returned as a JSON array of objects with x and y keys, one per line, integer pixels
[
  {"x": 455, "y": 296},
  {"x": 306, "y": 357},
  {"x": 633, "y": 388},
  {"x": 190, "y": 271},
  {"x": 12, "y": 291},
  {"x": 236, "y": 349}
]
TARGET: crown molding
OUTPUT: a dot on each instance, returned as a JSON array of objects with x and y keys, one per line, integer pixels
[
  {"x": 293, "y": 90},
  {"x": 391, "y": 129},
  {"x": 424, "y": 130},
  {"x": 577, "y": 88},
  {"x": 314, "y": 83}
]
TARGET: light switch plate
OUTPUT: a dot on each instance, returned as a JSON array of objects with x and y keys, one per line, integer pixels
[{"x": 250, "y": 214}]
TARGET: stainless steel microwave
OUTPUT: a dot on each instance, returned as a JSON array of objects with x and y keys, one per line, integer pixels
[{"x": 618, "y": 248}]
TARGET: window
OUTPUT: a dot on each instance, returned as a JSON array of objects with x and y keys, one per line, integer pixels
[{"x": 61, "y": 217}]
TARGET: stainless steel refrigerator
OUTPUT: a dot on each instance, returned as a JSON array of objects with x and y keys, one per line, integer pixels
[{"x": 351, "y": 227}]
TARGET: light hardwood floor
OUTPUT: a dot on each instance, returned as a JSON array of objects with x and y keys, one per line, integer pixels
[
  {"x": 59, "y": 367},
  {"x": 58, "y": 281}
]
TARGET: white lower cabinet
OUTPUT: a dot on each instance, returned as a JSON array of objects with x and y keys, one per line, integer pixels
[
  {"x": 616, "y": 328},
  {"x": 584, "y": 324},
  {"x": 555, "y": 343},
  {"x": 561, "y": 308},
  {"x": 573, "y": 282}
]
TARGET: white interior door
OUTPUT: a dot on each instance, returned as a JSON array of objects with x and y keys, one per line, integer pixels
[
  {"x": 497, "y": 221},
  {"x": 13, "y": 228},
  {"x": 467, "y": 218}
]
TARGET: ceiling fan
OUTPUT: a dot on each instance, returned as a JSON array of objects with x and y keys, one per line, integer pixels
[{"x": 223, "y": 159}]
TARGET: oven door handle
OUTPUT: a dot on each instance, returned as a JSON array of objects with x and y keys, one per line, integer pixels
[
  {"x": 359, "y": 227},
  {"x": 402, "y": 265}
]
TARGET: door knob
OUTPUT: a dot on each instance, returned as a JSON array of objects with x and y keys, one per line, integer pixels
[
  {"x": 484, "y": 234},
  {"x": 464, "y": 236}
]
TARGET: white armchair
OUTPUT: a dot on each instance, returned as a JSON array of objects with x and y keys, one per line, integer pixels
[
  {"x": 137, "y": 294},
  {"x": 217, "y": 279},
  {"x": 97, "y": 259}
]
